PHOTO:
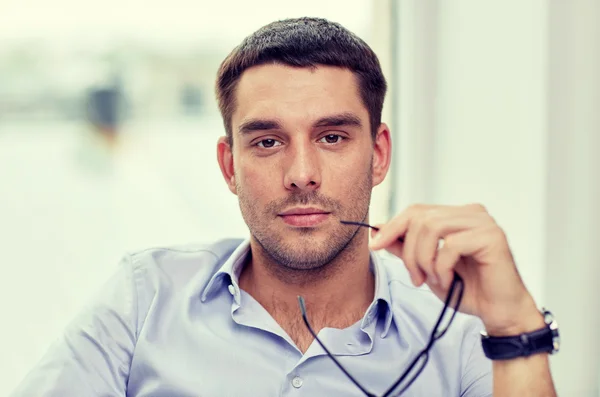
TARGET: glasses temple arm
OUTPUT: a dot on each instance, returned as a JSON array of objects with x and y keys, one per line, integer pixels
[{"x": 457, "y": 280}]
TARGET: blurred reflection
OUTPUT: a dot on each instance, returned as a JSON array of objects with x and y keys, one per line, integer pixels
[{"x": 104, "y": 105}]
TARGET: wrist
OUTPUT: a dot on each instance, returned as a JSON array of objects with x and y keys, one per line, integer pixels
[
  {"x": 527, "y": 319},
  {"x": 529, "y": 334}
]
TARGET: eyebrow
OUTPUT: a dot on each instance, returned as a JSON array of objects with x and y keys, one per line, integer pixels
[
  {"x": 339, "y": 120},
  {"x": 336, "y": 120},
  {"x": 253, "y": 125}
]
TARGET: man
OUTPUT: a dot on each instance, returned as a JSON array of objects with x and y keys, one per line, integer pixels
[{"x": 301, "y": 102}]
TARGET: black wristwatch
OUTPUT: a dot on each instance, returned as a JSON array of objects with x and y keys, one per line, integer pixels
[{"x": 545, "y": 340}]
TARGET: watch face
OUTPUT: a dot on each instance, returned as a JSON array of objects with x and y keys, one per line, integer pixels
[
  {"x": 551, "y": 322},
  {"x": 555, "y": 338}
]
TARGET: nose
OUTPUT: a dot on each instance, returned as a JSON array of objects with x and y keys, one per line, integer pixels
[{"x": 302, "y": 169}]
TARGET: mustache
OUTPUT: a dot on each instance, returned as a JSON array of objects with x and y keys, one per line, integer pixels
[{"x": 304, "y": 199}]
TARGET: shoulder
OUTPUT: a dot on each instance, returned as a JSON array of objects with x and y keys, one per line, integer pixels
[
  {"x": 183, "y": 259},
  {"x": 166, "y": 272}
]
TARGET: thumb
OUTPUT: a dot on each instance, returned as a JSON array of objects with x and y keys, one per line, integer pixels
[{"x": 375, "y": 232}]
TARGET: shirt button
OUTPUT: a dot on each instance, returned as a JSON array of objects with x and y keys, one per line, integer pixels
[
  {"x": 231, "y": 289},
  {"x": 297, "y": 382}
]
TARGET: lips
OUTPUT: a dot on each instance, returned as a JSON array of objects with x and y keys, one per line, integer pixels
[
  {"x": 304, "y": 217},
  {"x": 303, "y": 211}
]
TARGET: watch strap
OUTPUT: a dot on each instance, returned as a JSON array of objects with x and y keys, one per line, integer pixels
[{"x": 509, "y": 347}]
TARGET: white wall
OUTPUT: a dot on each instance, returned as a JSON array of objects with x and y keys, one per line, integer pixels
[
  {"x": 572, "y": 239},
  {"x": 381, "y": 29},
  {"x": 498, "y": 104}
]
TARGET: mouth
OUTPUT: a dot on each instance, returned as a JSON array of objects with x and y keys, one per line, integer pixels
[{"x": 304, "y": 217}]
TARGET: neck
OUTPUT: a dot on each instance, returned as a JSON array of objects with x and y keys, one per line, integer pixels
[{"x": 345, "y": 285}]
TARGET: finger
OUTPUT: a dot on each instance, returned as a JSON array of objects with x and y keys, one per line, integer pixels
[
  {"x": 480, "y": 240},
  {"x": 389, "y": 232},
  {"x": 440, "y": 291},
  {"x": 397, "y": 227},
  {"x": 433, "y": 227},
  {"x": 425, "y": 253},
  {"x": 397, "y": 248},
  {"x": 417, "y": 274},
  {"x": 446, "y": 260},
  {"x": 476, "y": 243},
  {"x": 374, "y": 232}
]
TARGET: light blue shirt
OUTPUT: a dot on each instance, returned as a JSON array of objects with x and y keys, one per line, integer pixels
[{"x": 173, "y": 322}]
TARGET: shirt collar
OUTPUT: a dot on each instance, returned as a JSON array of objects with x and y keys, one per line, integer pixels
[
  {"x": 228, "y": 274},
  {"x": 230, "y": 271},
  {"x": 382, "y": 303}
]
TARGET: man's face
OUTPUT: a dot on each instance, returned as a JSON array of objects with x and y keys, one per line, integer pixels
[{"x": 302, "y": 160}]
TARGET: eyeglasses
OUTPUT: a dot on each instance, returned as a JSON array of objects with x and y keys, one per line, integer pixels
[{"x": 416, "y": 366}]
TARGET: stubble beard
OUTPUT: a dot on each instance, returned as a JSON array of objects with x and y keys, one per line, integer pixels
[{"x": 308, "y": 253}]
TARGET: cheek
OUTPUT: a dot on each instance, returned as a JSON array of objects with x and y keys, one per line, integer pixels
[
  {"x": 347, "y": 181},
  {"x": 256, "y": 182},
  {"x": 350, "y": 169}
]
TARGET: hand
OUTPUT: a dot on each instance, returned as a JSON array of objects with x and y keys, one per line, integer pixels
[{"x": 439, "y": 240}]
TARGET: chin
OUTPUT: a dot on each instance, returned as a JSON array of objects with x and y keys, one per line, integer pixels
[
  {"x": 303, "y": 248},
  {"x": 306, "y": 253}
]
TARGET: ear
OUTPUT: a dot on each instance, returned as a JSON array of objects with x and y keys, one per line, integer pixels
[
  {"x": 225, "y": 158},
  {"x": 382, "y": 154}
]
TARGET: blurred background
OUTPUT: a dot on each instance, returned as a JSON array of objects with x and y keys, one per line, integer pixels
[{"x": 108, "y": 127}]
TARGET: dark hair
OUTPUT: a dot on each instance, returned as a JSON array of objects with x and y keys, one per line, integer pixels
[{"x": 303, "y": 42}]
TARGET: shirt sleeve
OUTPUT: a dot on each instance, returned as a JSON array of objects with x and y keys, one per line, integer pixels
[
  {"x": 477, "y": 379},
  {"x": 92, "y": 357}
]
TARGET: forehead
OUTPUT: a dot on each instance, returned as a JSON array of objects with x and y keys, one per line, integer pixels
[{"x": 294, "y": 94}]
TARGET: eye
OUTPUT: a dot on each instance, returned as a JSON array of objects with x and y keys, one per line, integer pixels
[
  {"x": 268, "y": 143},
  {"x": 332, "y": 138}
]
